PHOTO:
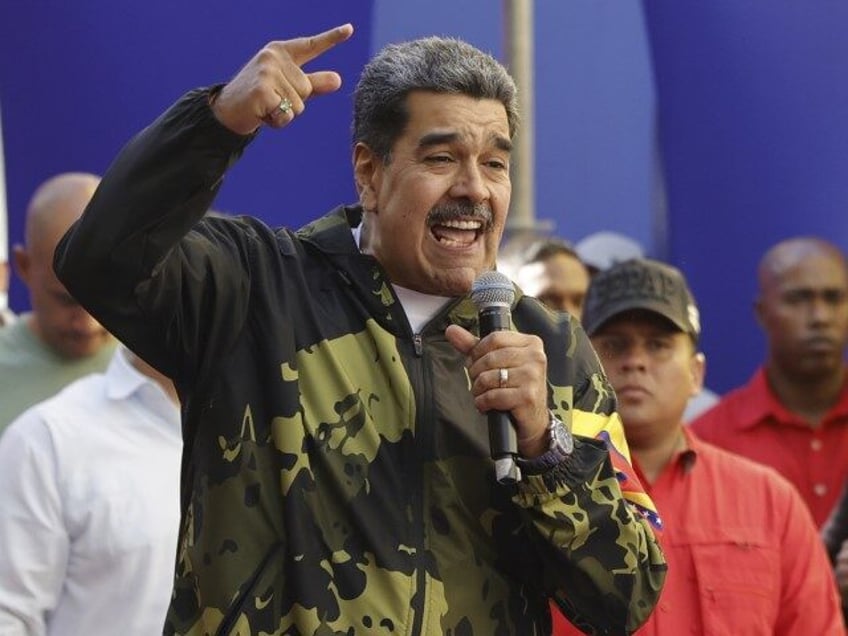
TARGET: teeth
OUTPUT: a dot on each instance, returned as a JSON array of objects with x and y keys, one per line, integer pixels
[
  {"x": 463, "y": 225},
  {"x": 451, "y": 242}
]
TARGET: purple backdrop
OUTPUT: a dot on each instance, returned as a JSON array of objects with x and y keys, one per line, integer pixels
[{"x": 77, "y": 80}]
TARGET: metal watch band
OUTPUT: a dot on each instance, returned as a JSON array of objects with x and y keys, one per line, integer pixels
[{"x": 560, "y": 448}]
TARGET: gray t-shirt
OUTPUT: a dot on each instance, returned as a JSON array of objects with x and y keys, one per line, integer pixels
[{"x": 31, "y": 372}]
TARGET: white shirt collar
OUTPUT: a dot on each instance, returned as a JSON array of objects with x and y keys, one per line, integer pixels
[{"x": 124, "y": 380}]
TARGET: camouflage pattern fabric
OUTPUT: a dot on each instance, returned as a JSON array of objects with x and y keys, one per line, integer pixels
[{"x": 336, "y": 477}]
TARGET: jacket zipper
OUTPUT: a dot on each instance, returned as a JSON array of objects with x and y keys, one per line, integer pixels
[
  {"x": 230, "y": 617},
  {"x": 423, "y": 398}
]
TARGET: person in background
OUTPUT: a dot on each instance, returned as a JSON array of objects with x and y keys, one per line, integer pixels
[
  {"x": 744, "y": 555},
  {"x": 552, "y": 272},
  {"x": 793, "y": 413},
  {"x": 89, "y": 506},
  {"x": 835, "y": 537},
  {"x": 602, "y": 250},
  {"x": 337, "y": 475},
  {"x": 58, "y": 341},
  {"x": 699, "y": 403},
  {"x": 7, "y": 316}
]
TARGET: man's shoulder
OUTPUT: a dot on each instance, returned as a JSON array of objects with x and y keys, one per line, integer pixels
[
  {"x": 757, "y": 481},
  {"x": 726, "y": 461},
  {"x": 15, "y": 341},
  {"x": 730, "y": 413},
  {"x": 755, "y": 500},
  {"x": 554, "y": 327},
  {"x": 70, "y": 405},
  {"x": 572, "y": 362},
  {"x": 76, "y": 399}
]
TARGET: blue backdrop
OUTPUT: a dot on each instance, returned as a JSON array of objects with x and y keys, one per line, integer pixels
[
  {"x": 78, "y": 79},
  {"x": 752, "y": 103}
]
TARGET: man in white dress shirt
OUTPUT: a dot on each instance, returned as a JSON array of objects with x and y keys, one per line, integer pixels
[{"x": 89, "y": 506}]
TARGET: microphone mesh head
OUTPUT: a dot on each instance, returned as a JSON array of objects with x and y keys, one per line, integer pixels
[{"x": 492, "y": 289}]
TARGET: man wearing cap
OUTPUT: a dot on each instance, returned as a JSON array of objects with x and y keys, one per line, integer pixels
[
  {"x": 602, "y": 250},
  {"x": 743, "y": 552}
]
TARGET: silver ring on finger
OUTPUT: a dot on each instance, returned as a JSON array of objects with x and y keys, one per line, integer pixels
[{"x": 503, "y": 377}]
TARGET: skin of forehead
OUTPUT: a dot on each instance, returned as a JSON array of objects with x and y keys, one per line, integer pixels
[
  {"x": 554, "y": 269},
  {"x": 54, "y": 207},
  {"x": 788, "y": 254}
]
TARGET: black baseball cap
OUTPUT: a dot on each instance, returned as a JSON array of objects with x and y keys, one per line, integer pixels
[{"x": 641, "y": 283}]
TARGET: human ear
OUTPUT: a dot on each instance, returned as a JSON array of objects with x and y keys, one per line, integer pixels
[
  {"x": 366, "y": 172},
  {"x": 22, "y": 263},
  {"x": 697, "y": 369}
]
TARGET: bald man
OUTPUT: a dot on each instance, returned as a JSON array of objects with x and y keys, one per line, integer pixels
[
  {"x": 57, "y": 341},
  {"x": 793, "y": 414}
]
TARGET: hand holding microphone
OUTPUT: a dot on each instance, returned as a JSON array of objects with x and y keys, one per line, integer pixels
[
  {"x": 508, "y": 371},
  {"x": 492, "y": 294}
]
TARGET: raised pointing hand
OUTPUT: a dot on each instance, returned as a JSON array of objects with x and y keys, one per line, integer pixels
[{"x": 272, "y": 88}]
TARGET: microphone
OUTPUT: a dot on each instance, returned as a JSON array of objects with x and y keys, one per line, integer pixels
[{"x": 492, "y": 293}]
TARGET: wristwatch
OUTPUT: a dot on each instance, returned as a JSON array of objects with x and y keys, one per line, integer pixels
[{"x": 561, "y": 447}]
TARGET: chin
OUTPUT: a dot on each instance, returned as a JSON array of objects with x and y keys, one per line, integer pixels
[
  {"x": 455, "y": 283},
  {"x": 79, "y": 350}
]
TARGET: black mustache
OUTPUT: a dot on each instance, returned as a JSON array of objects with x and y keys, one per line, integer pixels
[{"x": 458, "y": 210}]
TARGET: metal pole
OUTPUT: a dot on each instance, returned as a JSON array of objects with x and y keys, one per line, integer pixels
[
  {"x": 518, "y": 16},
  {"x": 522, "y": 226}
]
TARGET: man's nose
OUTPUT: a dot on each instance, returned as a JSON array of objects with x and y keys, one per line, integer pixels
[
  {"x": 470, "y": 184},
  {"x": 634, "y": 356}
]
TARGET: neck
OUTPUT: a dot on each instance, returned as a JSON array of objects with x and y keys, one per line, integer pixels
[
  {"x": 654, "y": 455},
  {"x": 808, "y": 398}
]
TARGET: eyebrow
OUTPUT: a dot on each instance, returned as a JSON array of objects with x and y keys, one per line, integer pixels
[{"x": 440, "y": 138}]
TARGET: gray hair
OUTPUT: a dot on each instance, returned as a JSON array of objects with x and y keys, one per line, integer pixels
[{"x": 437, "y": 64}]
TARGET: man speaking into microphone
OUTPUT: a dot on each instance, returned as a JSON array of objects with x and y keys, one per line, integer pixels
[{"x": 337, "y": 475}]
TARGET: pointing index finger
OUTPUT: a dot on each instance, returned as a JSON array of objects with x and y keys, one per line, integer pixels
[{"x": 305, "y": 49}]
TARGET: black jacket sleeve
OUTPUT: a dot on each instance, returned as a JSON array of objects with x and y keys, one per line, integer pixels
[{"x": 138, "y": 240}]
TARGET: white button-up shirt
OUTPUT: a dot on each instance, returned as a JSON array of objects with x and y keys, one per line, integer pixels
[{"x": 89, "y": 508}]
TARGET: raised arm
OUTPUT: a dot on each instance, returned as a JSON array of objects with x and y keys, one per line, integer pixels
[
  {"x": 133, "y": 259},
  {"x": 272, "y": 88}
]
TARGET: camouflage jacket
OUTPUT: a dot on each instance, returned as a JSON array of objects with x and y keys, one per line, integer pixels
[{"x": 336, "y": 475}]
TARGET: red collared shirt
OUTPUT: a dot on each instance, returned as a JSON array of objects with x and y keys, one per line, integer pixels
[
  {"x": 744, "y": 556},
  {"x": 751, "y": 422}
]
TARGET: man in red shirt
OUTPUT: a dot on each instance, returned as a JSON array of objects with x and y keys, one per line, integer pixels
[
  {"x": 744, "y": 556},
  {"x": 793, "y": 414}
]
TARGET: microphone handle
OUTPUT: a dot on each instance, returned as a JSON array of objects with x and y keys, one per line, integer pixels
[
  {"x": 503, "y": 440},
  {"x": 494, "y": 318}
]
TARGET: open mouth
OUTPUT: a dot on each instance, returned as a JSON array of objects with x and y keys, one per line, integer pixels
[{"x": 457, "y": 233}]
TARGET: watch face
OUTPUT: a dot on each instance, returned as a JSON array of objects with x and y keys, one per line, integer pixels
[{"x": 562, "y": 437}]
